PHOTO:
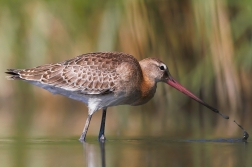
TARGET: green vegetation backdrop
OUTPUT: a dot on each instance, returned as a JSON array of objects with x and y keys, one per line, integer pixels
[{"x": 207, "y": 46}]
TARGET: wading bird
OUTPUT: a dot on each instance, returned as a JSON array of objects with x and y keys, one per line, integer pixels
[{"x": 102, "y": 80}]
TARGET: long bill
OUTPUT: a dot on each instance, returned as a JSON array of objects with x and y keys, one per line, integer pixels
[{"x": 172, "y": 82}]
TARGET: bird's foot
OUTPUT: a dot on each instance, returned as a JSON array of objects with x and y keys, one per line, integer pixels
[
  {"x": 82, "y": 139},
  {"x": 102, "y": 138}
]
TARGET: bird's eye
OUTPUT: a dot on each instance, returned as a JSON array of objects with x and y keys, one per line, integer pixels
[{"x": 162, "y": 67}]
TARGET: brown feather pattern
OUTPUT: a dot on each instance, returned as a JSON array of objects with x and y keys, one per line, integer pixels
[{"x": 92, "y": 73}]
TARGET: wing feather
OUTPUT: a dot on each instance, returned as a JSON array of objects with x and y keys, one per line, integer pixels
[{"x": 92, "y": 73}]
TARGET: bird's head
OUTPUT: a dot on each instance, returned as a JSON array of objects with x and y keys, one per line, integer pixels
[{"x": 157, "y": 71}]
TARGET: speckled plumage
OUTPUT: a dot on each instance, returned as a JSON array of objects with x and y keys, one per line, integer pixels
[
  {"x": 92, "y": 73},
  {"x": 101, "y": 80}
]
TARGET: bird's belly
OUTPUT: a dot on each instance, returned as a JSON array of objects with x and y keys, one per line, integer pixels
[
  {"x": 94, "y": 102},
  {"x": 56, "y": 90}
]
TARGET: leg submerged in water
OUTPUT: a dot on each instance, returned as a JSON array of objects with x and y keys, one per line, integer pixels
[{"x": 84, "y": 133}]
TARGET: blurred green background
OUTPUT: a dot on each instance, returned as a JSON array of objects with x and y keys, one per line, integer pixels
[{"x": 207, "y": 46}]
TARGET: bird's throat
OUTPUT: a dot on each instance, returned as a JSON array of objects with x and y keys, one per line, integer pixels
[{"x": 148, "y": 89}]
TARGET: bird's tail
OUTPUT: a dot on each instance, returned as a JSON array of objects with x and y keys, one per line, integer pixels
[{"x": 13, "y": 74}]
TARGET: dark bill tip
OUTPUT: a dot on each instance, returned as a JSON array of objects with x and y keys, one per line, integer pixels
[
  {"x": 172, "y": 82},
  {"x": 224, "y": 116}
]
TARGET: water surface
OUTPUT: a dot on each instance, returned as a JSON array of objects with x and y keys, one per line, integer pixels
[{"x": 125, "y": 152}]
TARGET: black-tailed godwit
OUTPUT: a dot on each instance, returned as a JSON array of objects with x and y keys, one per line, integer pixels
[{"x": 102, "y": 80}]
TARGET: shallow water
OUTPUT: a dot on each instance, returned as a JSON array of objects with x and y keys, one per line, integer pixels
[{"x": 125, "y": 153}]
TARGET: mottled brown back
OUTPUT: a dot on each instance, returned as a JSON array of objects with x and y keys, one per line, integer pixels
[{"x": 92, "y": 73}]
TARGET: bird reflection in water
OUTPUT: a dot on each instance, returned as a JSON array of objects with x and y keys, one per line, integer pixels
[{"x": 91, "y": 154}]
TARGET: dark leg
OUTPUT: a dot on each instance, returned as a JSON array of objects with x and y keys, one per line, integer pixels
[
  {"x": 101, "y": 136},
  {"x": 83, "y": 135}
]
